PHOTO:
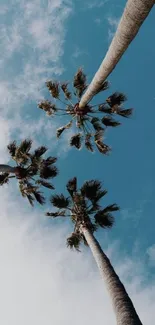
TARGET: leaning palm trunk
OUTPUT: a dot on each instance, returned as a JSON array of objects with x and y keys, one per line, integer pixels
[
  {"x": 134, "y": 15},
  {"x": 123, "y": 306},
  {"x": 7, "y": 169}
]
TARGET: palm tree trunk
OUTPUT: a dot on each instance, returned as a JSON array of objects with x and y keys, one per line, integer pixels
[
  {"x": 134, "y": 15},
  {"x": 6, "y": 169},
  {"x": 123, "y": 306}
]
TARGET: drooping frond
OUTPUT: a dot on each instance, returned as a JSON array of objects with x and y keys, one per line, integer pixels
[
  {"x": 99, "y": 135},
  {"x": 48, "y": 107},
  {"x": 60, "y": 213},
  {"x": 103, "y": 86},
  {"x": 116, "y": 99},
  {"x": 102, "y": 147},
  {"x": 72, "y": 186},
  {"x": 95, "y": 121},
  {"x": 80, "y": 82},
  {"x": 104, "y": 108},
  {"x": 12, "y": 149},
  {"x": 47, "y": 172},
  {"x": 74, "y": 241},
  {"x": 88, "y": 143},
  {"x": 109, "y": 121},
  {"x": 45, "y": 184},
  {"x": 4, "y": 178},
  {"x": 104, "y": 220},
  {"x": 76, "y": 140},
  {"x": 67, "y": 93},
  {"x": 39, "y": 197},
  {"x": 40, "y": 151},
  {"x": 22, "y": 152},
  {"x": 53, "y": 88},
  {"x": 60, "y": 201},
  {"x": 49, "y": 161},
  {"x": 61, "y": 129},
  {"x": 90, "y": 189},
  {"x": 30, "y": 198},
  {"x": 125, "y": 112},
  {"x": 111, "y": 208}
]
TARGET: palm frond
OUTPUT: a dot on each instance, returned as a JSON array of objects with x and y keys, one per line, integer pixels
[
  {"x": 74, "y": 241},
  {"x": 104, "y": 220},
  {"x": 53, "y": 88},
  {"x": 65, "y": 127},
  {"x": 49, "y": 161},
  {"x": 12, "y": 149},
  {"x": 72, "y": 186},
  {"x": 79, "y": 82},
  {"x": 48, "y": 107},
  {"x": 60, "y": 201},
  {"x": 90, "y": 189},
  {"x": 30, "y": 198},
  {"x": 40, "y": 151},
  {"x": 116, "y": 99},
  {"x": 111, "y": 208},
  {"x": 67, "y": 93},
  {"x": 102, "y": 147},
  {"x": 76, "y": 141},
  {"x": 47, "y": 172},
  {"x": 88, "y": 143},
  {"x": 45, "y": 184},
  {"x": 103, "y": 86},
  {"x": 22, "y": 152},
  {"x": 109, "y": 121},
  {"x": 70, "y": 110},
  {"x": 39, "y": 197},
  {"x": 99, "y": 135},
  {"x": 4, "y": 178},
  {"x": 60, "y": 213},
  {"x": 95, "y": 121},
  {"x": 125, "y": 112},
  {"x": 104, "y": 108}
]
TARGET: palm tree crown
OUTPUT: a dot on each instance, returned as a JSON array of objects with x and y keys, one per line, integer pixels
[
  {"x": 31, "y": 170},
  {"x": 91, "y": 121},
  {"x": 83, "y": 208}
]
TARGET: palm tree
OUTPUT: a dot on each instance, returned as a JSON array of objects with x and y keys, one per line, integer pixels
[
  {"x": 86, "y": 213},
  {"x": 133, "y": 17},
  {"x": 92, "y": 120},
  {"x": 31, "y": 170}
]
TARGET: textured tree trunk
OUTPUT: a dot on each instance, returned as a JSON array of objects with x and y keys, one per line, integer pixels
[
  {"x": 123, "y": 306},
  {"x": 134, "y": 15},
  {"x": 7, "y": 169}
]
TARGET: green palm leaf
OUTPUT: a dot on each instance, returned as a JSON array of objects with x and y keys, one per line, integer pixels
[
  {"x": 95, "y": 121},
  {"x": 60, "y": 213},
  {"x": 90, "y": 189},
  {"x": 48, "y": 107},
  {"x": 12, "y": 147},
  {"x": 45, "y": 184},
  {"x": 67, "y": 93},
  {"x": 79, "y": 82},
  {"x": 47, "y": 172},
  {"x": 104, "y": 220}
]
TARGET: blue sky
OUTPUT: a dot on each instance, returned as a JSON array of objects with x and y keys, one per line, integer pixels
[{"x": 45, "y": 39}]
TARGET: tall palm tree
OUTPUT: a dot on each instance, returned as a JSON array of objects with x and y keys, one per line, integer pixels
[
  {"x": 92, "y": 120},
  {"x": 86, "y": 213},
  {"x": 133, "y": 17},
  {"x": 31, "y": 170}
]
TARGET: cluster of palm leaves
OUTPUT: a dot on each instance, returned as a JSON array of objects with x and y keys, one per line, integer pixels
[
  {"x": 83, "y": 207},
  {"x": 91, "y": 121},
  {"x": 32, "y": 171}
]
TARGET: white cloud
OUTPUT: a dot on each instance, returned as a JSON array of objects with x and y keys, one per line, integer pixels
[
  {"x": 31, "y": 45},
  {"x": 97, "y": 4},
  {"x": 151, "y": 254},
  {"x": 113, "y": 23},
  {"x": 43, "y": 282}
]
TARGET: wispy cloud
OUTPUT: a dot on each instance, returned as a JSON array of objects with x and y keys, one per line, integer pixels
[
  {"x": 112, "y": 26},
  {"x": 31, "y": 45}
]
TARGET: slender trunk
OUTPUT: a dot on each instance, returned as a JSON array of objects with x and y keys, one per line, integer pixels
[
  {"x": 123, "y": 306},
  {"x": 134, "y": 15},
  {"x": 6, "y": 169}
]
